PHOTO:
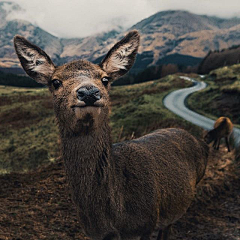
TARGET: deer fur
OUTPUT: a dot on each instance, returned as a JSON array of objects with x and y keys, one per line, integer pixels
[
  {"x": 223, "y": 128},
  {"x": 130, "y": 190}
]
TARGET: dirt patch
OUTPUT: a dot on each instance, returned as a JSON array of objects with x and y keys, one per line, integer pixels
[
  {"x": 37, "y": 205},
  {"x": 215, "y": 213}
]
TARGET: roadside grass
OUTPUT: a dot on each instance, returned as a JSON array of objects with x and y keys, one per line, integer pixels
[
  {"x": 29, "y": 134},
  {"x": 27, "y": 129},
  {"x": 138, "y": 109},
  {"x": 222, "y": 95}
]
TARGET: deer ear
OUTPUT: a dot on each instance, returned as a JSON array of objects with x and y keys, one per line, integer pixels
[
  {"x": 121, "y": 57},
  {"x": 36, "y": 63}
]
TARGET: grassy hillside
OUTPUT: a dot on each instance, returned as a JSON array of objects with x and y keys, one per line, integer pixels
[
  {"x": 222, "y": 96},
  {"x": 28, "y": 131},
  {"x": 218, "y": 59}
]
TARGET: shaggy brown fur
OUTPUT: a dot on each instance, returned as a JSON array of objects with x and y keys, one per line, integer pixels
[
  {"x": 223, "y": 128},
  {"x": 130, "y": 190}
]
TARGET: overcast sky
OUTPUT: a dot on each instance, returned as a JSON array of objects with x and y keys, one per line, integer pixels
[{"x": 80, "y": 18}]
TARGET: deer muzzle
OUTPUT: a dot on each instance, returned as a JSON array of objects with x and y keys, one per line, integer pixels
[{"x": 89, "y": 95}]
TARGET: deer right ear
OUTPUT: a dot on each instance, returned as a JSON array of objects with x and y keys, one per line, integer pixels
[
  {"x": 36, "y": 63},
  {"x": 121, "y": 57}
]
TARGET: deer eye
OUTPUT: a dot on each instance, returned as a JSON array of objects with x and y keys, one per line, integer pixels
[
  {"x": 56, "y": 83},
  {"x": 105, "y": 81}
]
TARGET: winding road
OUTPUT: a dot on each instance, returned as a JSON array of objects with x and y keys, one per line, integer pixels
[{"x": 175, "y": 102}]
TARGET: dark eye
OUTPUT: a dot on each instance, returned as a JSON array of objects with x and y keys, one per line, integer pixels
[
  {"x": 56, "y": 83},
  {"x": 105, "y": 81}
]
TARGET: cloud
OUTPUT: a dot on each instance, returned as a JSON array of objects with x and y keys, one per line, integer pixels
[
  {"x": 220, "y": 8},
  {"x": 80, "y": 18}
]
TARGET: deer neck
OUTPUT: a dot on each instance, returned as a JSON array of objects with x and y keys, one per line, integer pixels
[{"x": 88, "y": 160}]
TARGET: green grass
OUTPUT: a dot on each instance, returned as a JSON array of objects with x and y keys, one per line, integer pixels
[
  {"x": 222, "y": 95},
  {"x": 29, "y": 134}
]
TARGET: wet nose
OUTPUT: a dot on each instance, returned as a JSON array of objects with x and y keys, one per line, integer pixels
[{"x": 89, "y": 95}]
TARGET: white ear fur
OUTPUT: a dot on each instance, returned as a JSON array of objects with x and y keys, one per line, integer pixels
[
  {"x": 121, "y": 57},
  {"x": 35, "y": 61}
]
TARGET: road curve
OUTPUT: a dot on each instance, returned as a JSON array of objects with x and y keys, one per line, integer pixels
[{"x": 175, "y": 102}]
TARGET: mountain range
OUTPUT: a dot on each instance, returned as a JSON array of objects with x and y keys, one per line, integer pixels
[{"x": 165, "y": 37}]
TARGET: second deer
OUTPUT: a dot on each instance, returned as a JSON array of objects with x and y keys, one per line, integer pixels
[{"x": 222, "y": 129}]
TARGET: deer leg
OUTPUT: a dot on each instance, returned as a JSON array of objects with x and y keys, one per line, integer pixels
[
  {"x": 227, "y": 143},
  {"x": 146, "y": 237},
  {"x": 112, "y": 236},
  {"x": 152, "y": 236},
  {"x": 215, "y": 143},
  {"x": 219, "y": 140},
  {"x": 166, "y": 232},
  {"x": 160, "y": 234}
]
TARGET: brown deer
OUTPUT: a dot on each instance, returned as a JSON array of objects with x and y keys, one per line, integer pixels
[
  {"x": 223, "y": 128},
  {"x": 130, "y": 190}
]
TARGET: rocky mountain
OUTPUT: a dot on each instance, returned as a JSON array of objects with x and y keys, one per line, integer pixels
[
  {"x": 181, "y": 32},
  {"x": 164, "y": 35},
  {"x": 8, "y": 29}
]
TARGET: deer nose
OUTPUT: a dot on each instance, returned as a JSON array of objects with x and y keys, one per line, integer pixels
[{"x": 89, "y": 95}]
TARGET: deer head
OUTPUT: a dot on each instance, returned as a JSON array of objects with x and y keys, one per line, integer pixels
[{"x": 79, "y": 88}]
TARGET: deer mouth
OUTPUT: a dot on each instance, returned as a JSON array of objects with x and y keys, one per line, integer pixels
[
  {"x": 84, "y": 105},
  {"x": 81, "y": 110}
]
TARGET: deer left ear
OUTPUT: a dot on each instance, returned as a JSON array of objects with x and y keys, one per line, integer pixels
[
  {"x": 36, "y": 63},
  {"x": 121, "y": 57}
]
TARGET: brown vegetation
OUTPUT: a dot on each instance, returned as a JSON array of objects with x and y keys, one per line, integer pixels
[{"x": 217, "y": 59}]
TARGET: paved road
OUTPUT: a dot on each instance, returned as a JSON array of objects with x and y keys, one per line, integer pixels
[{"x": 175, "y": 102}]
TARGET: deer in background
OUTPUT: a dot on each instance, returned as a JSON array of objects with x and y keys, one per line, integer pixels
[
  {"x": 222, "y": 129},
  {"x": 130, "y": 190}
]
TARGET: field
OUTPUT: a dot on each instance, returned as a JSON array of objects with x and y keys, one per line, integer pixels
[
  {"x": 29, "y": 131},
  {"x": 35, "y": 200},
  {"x": 37, "y": 205}
]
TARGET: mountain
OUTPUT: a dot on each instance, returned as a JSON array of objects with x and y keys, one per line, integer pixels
[
  {"x": 171, "y": 32},
  {"x": 164, "y": 36},
  {"x": 8, "y": 29}
]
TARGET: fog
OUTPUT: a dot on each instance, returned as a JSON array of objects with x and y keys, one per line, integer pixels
[{"x": 80, "y": 18}]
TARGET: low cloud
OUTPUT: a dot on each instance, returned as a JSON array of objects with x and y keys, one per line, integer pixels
[{"x": 80, "y": 18}]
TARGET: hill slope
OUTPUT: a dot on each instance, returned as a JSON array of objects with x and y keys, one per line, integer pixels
[
  {"x": 217, "y": 59},
  {"x": 222, "y": 96}
]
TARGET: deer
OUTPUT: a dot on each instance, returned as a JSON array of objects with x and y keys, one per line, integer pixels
[
  {"x": 223, "y": 128},
  {"x": 134, "y": 189}
]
